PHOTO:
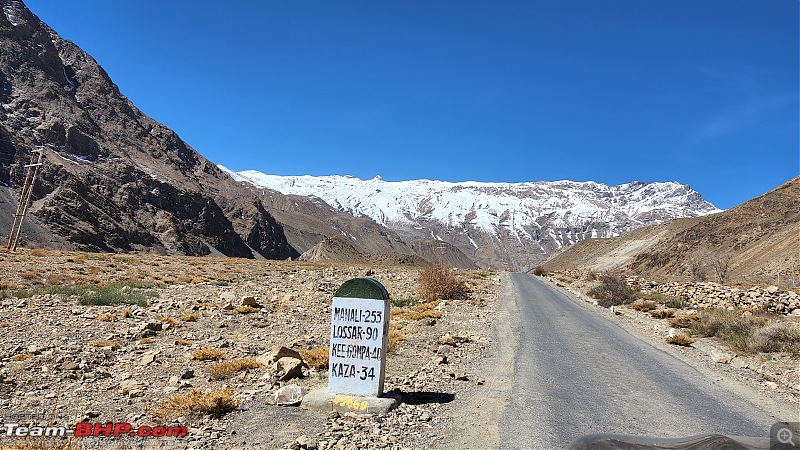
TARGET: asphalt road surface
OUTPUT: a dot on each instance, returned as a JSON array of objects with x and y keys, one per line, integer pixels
[{"x": 577, "y": 373}]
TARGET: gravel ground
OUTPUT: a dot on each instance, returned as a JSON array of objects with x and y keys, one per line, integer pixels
[{"x": 63, "y": 362}]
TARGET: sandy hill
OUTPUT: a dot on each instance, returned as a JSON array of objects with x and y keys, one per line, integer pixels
[{"x": 760, "y": 238}]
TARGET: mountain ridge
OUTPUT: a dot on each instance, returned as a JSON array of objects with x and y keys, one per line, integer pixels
[
  {"x": 515, "y": 224},
  {"x": 758, "y": 240}
]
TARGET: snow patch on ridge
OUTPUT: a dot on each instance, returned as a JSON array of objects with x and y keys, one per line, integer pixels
[{"x": 571, "y": 210}]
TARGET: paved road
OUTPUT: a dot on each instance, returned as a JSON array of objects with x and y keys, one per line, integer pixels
[{"x": 578, "y": 373}]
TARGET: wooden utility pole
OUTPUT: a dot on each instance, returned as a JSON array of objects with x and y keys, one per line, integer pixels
[{"x": 25, "y": 198}]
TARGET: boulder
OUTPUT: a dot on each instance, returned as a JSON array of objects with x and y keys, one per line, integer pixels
[
  {"x": 277, "y": 353},
  {"x": 288, "y": 395},
  {"x": 288, "y": 368},
  {"x": 249, "y": 300}
]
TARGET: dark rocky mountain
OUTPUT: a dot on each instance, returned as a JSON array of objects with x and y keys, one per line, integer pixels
[
  {"x": 113, "y": 179},
  {"x": 116, "y": 180}
]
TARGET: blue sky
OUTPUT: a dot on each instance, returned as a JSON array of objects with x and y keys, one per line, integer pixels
[{"x": 704, "y": 92}]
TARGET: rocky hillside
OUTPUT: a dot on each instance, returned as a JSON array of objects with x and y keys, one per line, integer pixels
[
  {"x": 759, "y": 241},
  {"x": 113, "y": 178},
  {"x": 311, "y": 224},
  {"x": 502, "y": 225}
]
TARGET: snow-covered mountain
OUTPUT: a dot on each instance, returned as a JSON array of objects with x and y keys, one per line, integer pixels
[{"x": 497, "y": 224}]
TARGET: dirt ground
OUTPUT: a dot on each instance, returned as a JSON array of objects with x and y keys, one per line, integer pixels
[{"x": 65, "y": 362}]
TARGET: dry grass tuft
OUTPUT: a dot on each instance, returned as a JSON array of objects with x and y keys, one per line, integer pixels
[
  {"x": 246, "y": 309},
  {"x": 105, "y": 317},
  {"x": 419, "y": 312},
  {"x": 680, "y": 339},
  {"x": 195, "y": 404},
  {"x": 643, "y": 305},
  {"x": 438, "y": 281},
  {"x": 685, "y": 321},
  {"x": 317, "y": 357},
  {"x": 172, "y": 322},
  {"x": 662, "y": 313},
  {"x": 395, "y": 338},
  {"x": 105, "y": 343},
  {"x": 226, "y": 369},
  {"x": 22, "y": 357},
  {"x": 208, "y": 354},
  {"x": 190, "y": 317},
  {"x": 183, "y": 342},
  {"x": 147, "y": 340}
]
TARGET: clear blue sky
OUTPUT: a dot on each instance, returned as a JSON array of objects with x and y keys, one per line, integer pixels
[{"x": 704, "y": 92}]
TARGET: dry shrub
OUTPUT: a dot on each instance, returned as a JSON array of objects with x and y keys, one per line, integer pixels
[
  {"x": 776, "y": 337},
  {"x": 5, "y": 324},
  {"x": 317, "y": 357},
  {"x": 183, "y": 342},
  {"x": 395, "y": 338},
  {"x": 246, "y": 309},
  {"x": 22, "y": 357},
  {"x": 662, "y": 313},
  {"x": 190, "y": 317},
  {"x": 38, "y": 252},
  {"x": 749, "y": 333},
  {"x": 643, "y": 305},
  {"x": 195, "y": 404},
  {"x": 147, "y": 340},
  {"x": 539, "y": 271},
  {"x": 612, "y": 291},
  {"x": 208, "y": 354},
  {"x": 680, "y": 339},
  {"x": 225, "y": 369},
  {"x": 685, "y": 321},
  {"x": 438, "y": 281}
]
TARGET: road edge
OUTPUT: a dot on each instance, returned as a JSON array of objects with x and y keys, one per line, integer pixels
[{"x": 478, "y": 425}]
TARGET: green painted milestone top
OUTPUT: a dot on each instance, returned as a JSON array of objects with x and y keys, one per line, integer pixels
[{"x": 362, "y": 288}]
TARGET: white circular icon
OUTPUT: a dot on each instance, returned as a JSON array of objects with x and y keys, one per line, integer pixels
[{"x": 785, "y": 436}]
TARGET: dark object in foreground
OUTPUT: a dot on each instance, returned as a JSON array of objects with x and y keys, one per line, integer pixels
[{"x": 702, "y": 442}]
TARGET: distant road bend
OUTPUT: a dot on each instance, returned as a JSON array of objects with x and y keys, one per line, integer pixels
[{"x": 577, "y": 373}]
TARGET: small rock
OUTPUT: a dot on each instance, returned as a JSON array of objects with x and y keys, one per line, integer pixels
[
  {"x": 147, "y": 358},
  {"x": 187, "y": 374},
  {"x": 69, "y": 365},
  {"x": 445, "y": 349},
  {"x": 447, "y": 339},
  {"x": 289, "y": 395}
]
